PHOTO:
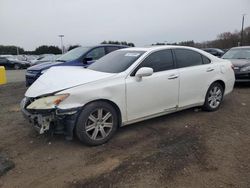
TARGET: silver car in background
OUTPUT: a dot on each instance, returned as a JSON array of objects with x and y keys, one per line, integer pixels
[{"x": 240, "y": 58}]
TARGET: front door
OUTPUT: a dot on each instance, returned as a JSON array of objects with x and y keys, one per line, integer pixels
[{"x": 154, "y": 94}]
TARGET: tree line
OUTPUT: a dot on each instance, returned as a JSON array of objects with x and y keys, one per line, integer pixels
[
  {"x": 44, "y": 49},
  {"x": 224, "y": 40},
  {"x": 12, "y": 50},
  {"x": 119, "y": 43},
  {"x": 228, "y": 39}
]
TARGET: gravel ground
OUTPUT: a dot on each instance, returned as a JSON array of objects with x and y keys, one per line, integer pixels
[
  {"x": 191, "y": 148},
  {"x": 15, "y": 75}
]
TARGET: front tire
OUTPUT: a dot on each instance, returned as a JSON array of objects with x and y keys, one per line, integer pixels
[
  {"x": 214, "y": 97},
  {"x": 97, "y": 123}
]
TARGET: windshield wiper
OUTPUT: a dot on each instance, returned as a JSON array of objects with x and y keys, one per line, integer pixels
[{"x": 59, "y": 60}]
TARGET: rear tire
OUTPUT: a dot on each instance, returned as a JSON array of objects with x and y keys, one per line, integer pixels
[
  {"x": 17, "y": 66},
  {"x": 97, "y": 123},
  {"x": 214, "y": 97}
]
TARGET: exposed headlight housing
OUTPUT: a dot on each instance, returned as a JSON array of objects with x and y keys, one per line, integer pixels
[
  {"x": 46, "y": 103},
  {"x": 244, "y": 69}
]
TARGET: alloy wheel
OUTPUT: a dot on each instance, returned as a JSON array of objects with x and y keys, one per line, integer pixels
[
  {"x": 99, "y": 124},
  {"x": 215, "y": 97}
]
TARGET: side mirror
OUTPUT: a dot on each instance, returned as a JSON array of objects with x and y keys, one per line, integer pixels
[
  {"x": 142, "y": 72},
  {"x": 87, "y": 59}
]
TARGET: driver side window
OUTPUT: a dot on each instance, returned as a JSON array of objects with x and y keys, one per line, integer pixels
[{"x": 96, "y": 53}]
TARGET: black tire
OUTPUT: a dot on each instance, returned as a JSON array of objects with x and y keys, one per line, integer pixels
[
  {"x": 17, "y": 66},
  {"x": 208, "y": 106},
  {"x": 85, "y": 120}
]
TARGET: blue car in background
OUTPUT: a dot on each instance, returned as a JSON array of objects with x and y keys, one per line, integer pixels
[{"x": 81, "y": 56}]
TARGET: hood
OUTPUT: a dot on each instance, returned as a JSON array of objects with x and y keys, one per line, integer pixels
[
  {"x": 240, "y": 62},
  {"x": 44, "y": 65},
  {"x": 61, "y": 78}
]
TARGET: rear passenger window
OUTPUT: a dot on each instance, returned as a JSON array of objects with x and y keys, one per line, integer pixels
[
  {"x": 158, "y": 61},
  {"x": 111, "y": 49},
  {"x": 205, "y": 60},
  {"x": 187, "y": 58}
]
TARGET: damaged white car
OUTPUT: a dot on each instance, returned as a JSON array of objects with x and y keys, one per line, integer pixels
[{"x": 124, "y": 87}]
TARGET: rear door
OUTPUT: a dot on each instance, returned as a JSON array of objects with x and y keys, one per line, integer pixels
[
  {"x": 154, "y": 94},
  {"x": 196, "y": 71}
]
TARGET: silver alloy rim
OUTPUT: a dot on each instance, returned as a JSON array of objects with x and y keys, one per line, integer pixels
[
  {"x": 214, "y": 97},
  {"x": 99, "y": 124}
]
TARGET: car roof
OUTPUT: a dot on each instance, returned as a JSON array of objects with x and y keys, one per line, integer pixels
[
  {"x": 149, "y": 49},
  {"x": 240, "y": 47},
  {"x": 106, "y": 45},
  {"x": 211, "y": 49},
  {"x": 153, "y": 48}
]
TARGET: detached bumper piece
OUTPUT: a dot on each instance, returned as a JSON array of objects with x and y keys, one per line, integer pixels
[{"x": 55, "y": 121}]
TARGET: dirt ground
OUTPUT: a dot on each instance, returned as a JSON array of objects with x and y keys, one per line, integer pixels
[{"x": 186, "y": 149}]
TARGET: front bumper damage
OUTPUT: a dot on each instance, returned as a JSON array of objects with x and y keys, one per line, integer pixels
[{"x": 55, "y": 121}]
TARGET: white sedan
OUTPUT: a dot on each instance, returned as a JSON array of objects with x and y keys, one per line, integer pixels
[{"x": 124, "y": 87}]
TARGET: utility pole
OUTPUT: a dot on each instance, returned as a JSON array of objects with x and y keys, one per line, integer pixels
[
  {"x": 61, "y": 36},
  {"x": 242, "y": 29}
]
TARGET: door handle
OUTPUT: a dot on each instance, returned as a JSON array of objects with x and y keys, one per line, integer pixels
[
  {"x": 210, "y": 69},
  {"x": 173, "y": 76}
]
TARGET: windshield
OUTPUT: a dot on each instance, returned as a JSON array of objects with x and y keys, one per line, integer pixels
[
  {"x": 219, "y": 50},
  {"x": 47, "y": 58},
  {"x": 243, "y": 53},
  {"x": 73, "y": 54},
  {"x": 116, "y": 62}
]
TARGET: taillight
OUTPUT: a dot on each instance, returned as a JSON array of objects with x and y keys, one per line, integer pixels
[{"x": 232, "y": 66}]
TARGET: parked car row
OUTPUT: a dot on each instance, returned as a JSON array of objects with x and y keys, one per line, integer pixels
[
  {"x": 11, "y": 62},
  {"x": 25, "y": 61},
  {"x": 45, "y": 58},
  {"x": 125, "y": 86},
  {"x": 81, "y": 56},
  {"x": 215, "y": 51}
]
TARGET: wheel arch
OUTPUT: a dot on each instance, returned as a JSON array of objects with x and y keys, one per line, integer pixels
[{"x": 221, "y": 82}]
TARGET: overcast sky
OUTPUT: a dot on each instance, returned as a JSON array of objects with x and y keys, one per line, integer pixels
[{"x": 30, "y": 23}]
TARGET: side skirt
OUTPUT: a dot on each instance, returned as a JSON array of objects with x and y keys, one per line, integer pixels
[{"x": 165, "y": 112}]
